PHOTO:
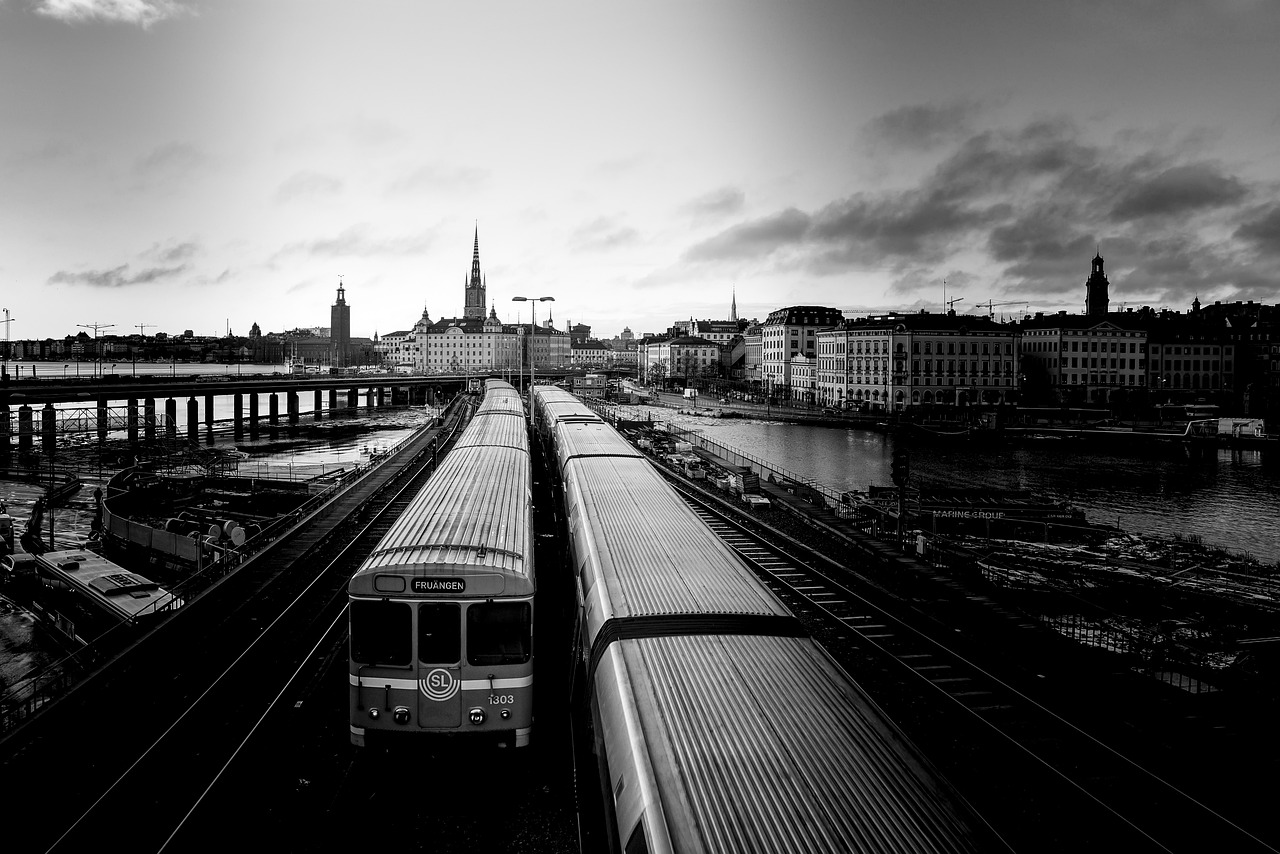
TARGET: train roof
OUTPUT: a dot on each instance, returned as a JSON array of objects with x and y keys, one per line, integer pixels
[
  {"x": 500, "y": 427},
  {"x": 649, "y": 553},
  {"x": 125, "y": 593},
  {"x": 762, "y": 743},
  {"x": 555, "y": 405},
  {"x": 587, "y": 439},
  {"x": 472, "y": 518},
  {"x": 501, "y": 399}
]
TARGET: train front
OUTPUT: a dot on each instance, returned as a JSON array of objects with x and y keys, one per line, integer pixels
[{"x": 443, "y": 654}]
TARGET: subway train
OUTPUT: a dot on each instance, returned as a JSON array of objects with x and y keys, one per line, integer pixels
[
  {"x": 441, "y": 612},
  {"x": 717, "y": 723}
]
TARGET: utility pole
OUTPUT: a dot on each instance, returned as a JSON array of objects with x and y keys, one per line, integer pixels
[
  {"x": 7, "y": 321},
  {"x": 95, "y": 327}
]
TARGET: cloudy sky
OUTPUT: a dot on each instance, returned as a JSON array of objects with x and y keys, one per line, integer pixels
[{"x": 205, "y": 164}]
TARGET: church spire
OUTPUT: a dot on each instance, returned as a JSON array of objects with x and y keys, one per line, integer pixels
[
  {"x": 733, "y": 306},
  {"x": 476, "y": 284}
]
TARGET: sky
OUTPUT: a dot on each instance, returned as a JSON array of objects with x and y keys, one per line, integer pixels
[{"x": 211, "y": 164}]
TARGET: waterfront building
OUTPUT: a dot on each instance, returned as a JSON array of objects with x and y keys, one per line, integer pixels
[
  {"x": 686, "y": 358},
  {"x": 751, "y": 370},
  {"x": 790, "y": 332},
  {"x": 1084, "y": 359},
  {"x": 395, "y": 349},
  {"x": 904, "y": 361}
]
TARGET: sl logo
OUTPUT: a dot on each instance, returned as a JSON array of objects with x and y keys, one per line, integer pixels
[{"x": 439, "y": 685}]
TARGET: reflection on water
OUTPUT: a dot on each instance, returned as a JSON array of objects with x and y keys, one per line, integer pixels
[{"x": 1230, "y": 499}]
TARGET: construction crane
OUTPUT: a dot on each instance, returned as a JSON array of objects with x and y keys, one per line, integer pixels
[
  {"x": 143, "y": 327},
  {"x": 991, "y": 305},
  {"x": 951, "y": 303},
  {"x": 95, "y": 327}
]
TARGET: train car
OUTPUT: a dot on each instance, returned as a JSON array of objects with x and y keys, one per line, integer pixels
[
  {"x": 717, "y": 722},
  {"x": 83, "y": 595},
  {"x": 441, "y": 612},
  {"x": 552, "y": 405}
]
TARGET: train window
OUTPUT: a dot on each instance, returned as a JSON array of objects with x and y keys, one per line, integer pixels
[
  {"x": 498, "y": 633},
  {"x": 439, "y": 633},
  {"x": 381, "y": 632}
]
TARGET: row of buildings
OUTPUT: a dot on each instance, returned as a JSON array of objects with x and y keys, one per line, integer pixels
[{"x": 1227, "y": 354}]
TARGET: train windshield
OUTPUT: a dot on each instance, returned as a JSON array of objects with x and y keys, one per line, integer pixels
[
  {"x": 499, "y": 633},
  {"x": 439, "y": 633},
  {"x": 381, "y": 632}
]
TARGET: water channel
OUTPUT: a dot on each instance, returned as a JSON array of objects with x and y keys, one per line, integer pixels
[{"x": 1229, "y": 499}]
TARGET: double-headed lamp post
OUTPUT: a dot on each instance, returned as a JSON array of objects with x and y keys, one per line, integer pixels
[{"x": 533, "y": 327}]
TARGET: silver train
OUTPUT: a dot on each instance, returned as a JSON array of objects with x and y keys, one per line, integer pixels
[
  {"x": 441, "y": 612},
  {"x": 718, "y": 724}
]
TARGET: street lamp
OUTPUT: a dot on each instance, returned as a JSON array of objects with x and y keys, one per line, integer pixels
[
  {"x": 64, "y": 371},
  {"x": 533, "y": 326}
]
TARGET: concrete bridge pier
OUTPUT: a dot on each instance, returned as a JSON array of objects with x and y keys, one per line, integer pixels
[
  {"x": 193, "y": 420},
  {"x": 102, "y": 419},
  {"x": 208, "y": 412},
  {"x": 382, "y": 397},
  {"x": 253, "y": 415},
  {"x": 237, "y": 415},
  {"x": 273, "y": 408},
  {"x": 368, "y": 397},
  {"x": 149, "y": 418},
  {"x": 333, "y": 399},
  {"x": 171, "y": 418},
  {"x": 48, "y": 429},
  {"x": 132, "y": 420},
  {"x": 353, "y": 398},
  {"x": 4, "y": 434},
  {"x": 25, "y": 433},
  {"x": 316, "y": 404},
  {"x": 292, "y": 406}
]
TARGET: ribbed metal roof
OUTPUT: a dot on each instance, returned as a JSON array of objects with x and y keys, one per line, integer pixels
[
  {"x": 496, "y": 427},
  {"x": 474, "y": 514},
  {"x": 761, "y": 744},
  {"x": 646, "y": 551},
  {"x": 576, "y": 439}
]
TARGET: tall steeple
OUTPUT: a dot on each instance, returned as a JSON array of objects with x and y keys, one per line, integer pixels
[
  {"x": 1095, "y": 299},
  {"x": 475, "y": 288},
  {"x": 733, "y": 306}
]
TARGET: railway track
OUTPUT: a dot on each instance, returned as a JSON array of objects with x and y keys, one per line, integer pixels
[
  {"x": 182, "y": 755},
  {"x": 1042, "y": 780}
]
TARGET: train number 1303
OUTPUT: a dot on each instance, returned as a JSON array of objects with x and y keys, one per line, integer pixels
[{"x": 501, "y": 699}]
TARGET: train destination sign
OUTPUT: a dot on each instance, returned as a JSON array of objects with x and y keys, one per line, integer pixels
[{"x": 439, "y": 585}]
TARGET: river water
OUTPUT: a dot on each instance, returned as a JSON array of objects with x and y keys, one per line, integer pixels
[{"x": 1229, "y": 499}]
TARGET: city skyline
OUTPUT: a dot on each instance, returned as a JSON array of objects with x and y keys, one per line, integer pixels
[{"x": 199, "y": 165}]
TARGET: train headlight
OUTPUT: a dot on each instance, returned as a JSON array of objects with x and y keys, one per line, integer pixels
[
  {"x": 374, "y": 714},
  {"x": 505, "y": 713},
  {"x": 400, "y": 715},
  {"x": 476, "y": 715}
]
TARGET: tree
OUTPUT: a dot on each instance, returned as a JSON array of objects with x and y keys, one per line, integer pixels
[{"x": 657, "y": 372}]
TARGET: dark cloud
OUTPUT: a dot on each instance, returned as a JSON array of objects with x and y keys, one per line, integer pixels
[
  {"x": 119, "y": 277},
  {"x": 603, "y": 233},
  {"x": 171, "y": 252},
  {"x": 721, "y": 202},
  {"x": 756, "y": 238},
  {"x": 1262, "y": 231},
  {"x": 923, "y": 127},
  {"x": 308, "y": 185},
  {"x": 1179, "y": 190},
  {"x": 1038, "y": 200}
]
